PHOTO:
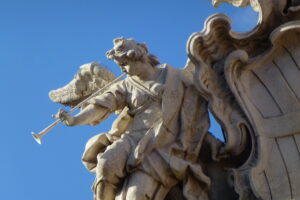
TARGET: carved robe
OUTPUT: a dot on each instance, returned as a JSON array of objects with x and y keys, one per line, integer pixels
[{"x": 165, "y": 136}]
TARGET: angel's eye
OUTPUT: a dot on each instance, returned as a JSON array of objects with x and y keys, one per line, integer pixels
[
  {"x": 119, "y": 48},
  {"x": 122, "y": 64},
  {"x": 88, "y": 76}
]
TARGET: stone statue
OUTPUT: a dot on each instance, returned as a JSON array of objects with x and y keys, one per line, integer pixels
[
  {"x": 159, "y": 146},
  {"x": 155, "y": 142}
]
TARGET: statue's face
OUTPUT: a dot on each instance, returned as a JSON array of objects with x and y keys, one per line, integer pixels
[
  {"x": 132, "y": 68},
  {"x": 129, "y": 55}
]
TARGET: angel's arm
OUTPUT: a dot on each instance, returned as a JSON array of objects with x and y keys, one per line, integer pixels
[
  {"x": 99, "y": 108},
  {"x": 91, "y": 114},
  {"x": 88, "y": 116}
]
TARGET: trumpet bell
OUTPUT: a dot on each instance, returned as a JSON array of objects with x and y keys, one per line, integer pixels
[{"x": 36, "y": 137}]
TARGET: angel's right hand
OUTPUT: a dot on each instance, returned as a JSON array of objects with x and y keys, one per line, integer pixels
[{"x": 65, "y": 117}]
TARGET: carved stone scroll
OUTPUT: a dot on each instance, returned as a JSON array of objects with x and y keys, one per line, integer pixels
[{"x": 253, "y": 79}]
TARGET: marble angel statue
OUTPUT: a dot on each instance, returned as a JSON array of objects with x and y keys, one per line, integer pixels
[{"x": 155, "y": 142}]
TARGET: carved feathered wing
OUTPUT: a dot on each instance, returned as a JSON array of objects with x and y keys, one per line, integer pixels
[{"x": 90, "y": 77}]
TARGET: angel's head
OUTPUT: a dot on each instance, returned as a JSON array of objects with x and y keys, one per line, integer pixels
[{"x": 128, "y": 50}]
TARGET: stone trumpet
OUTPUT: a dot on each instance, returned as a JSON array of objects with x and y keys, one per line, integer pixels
[{"x": 38, "y": 136}]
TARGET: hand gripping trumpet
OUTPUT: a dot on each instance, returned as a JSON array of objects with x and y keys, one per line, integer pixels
[{"x": 39, "y": 135}]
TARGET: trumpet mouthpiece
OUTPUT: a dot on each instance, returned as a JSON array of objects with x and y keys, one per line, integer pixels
[{"x": 36, "y": 137}]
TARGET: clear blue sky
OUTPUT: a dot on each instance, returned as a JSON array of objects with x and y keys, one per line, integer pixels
[{"x": 42, "y": 45}]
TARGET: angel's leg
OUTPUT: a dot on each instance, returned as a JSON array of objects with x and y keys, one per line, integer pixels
[
  {"x": 111, "y": 169},
  {"x": 141, "y": 186}
]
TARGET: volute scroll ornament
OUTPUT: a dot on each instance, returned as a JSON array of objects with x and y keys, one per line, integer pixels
[{"x": 256, "y": 75}]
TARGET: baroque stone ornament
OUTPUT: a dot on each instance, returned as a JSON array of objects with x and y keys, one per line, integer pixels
[
  {"x": 237, "y": 3},
  {"x": 251, "y": 82},
  {"x": 152, "y": 150},
  {"x": 159, "y": 146}
]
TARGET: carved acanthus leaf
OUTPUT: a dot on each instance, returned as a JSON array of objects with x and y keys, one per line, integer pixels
[{"x": 238, "y": 3}]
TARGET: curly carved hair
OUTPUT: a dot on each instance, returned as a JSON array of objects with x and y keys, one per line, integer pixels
[{"x": 129, "y": 49}]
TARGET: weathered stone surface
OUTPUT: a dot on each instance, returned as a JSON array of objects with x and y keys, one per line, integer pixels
[
  {"x": 159, "y": 147},
  {"x": 260, "y": 71},
  {"x": 155, "y": 142}
]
